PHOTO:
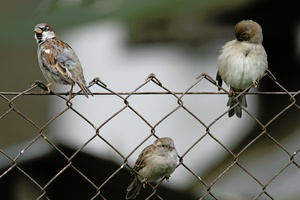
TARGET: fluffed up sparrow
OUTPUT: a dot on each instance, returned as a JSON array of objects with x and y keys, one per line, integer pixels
[
  {"x": 57, "y": 60},
  {"x": 155, "y": 161},
  {"x": 242, "y": 62}
]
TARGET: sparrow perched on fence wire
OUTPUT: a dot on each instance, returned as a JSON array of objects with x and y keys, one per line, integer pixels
[
  {"x": 155, "y": 161},
  {"x": 58, "y": 61},
  {"x": 242, "y": 62}
]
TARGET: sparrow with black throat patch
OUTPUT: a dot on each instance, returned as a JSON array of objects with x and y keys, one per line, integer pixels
[{"x": 58, "y": 61}]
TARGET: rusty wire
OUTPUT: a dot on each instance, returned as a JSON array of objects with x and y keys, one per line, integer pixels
[{"x": 126, "y": 98}]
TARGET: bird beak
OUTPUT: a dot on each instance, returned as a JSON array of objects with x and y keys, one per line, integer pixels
[
  {"x": 171, "y": 148},
  {"x": 38, "y": 30}
]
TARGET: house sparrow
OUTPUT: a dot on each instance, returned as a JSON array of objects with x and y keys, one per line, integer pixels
[
  {"x": 156, "y": 160},
  {"x": 57, "y": 60},
  {"x": 242, "y": 62}
]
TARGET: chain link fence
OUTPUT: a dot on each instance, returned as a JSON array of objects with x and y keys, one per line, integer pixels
[{"x": 12, "y": 166}]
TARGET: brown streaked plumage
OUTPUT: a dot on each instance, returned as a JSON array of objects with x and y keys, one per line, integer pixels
[
  {"x": 155, "y": 161},
  {"x": 57, "y": 60}
]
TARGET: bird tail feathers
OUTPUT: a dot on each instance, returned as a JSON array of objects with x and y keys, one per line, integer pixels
[
  {"x": 134, "y": 188},
  {"x": 85, "y": 89},
  {"x": 236, "y": 108}
]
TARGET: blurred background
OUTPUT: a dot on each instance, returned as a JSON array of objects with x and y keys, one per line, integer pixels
[{"x": 122, "y": 42}]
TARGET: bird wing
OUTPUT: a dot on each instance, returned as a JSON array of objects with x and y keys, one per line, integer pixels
[
  {"x": 141, "y": 161},
  {"x": 219, "y": 80},
  {"x": 55, "y": 61}
]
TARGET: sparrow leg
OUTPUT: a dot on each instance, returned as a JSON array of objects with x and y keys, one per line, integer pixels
[
  {"x": 70, "y": 93},
  {"x": 145, "y": 181},
  {"x": 231, "y": 102},
  {"x": 231, "y": 92},
  {"x": 167, "y": 178},
  {"x": 255, "y": 84},
  {"x": 48, "y": 89}
]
